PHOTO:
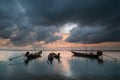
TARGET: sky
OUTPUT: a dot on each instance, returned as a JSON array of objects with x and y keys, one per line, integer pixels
[{"x": 60, "y": 23}]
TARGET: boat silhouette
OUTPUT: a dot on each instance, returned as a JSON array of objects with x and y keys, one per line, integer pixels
[
  {"x": 87, "y": 55},
  {"x": 29, "y": 56}
]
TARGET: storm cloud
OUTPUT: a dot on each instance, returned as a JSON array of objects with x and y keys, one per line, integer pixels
[
  {"x": 27, "y": 21},
  {"x": 94, "y": 35}
]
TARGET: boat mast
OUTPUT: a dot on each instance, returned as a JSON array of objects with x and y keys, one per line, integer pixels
[
  {"x": 34, "y": 50},
  {"x": 86, "y": 48}
]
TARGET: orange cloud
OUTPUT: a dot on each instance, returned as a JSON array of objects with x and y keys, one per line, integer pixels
[
  {"x": 4, "y": 41},
  {"x": 62, "y": 43}
]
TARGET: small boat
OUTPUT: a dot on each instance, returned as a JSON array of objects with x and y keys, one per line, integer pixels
[
  {"x": 87, "y": 55},
  {"x": 50, "y": 58},
  {"x": 30, "y": 56},
  {"x": 57, "y": 56},
  {"x": 35, "y": 55}
]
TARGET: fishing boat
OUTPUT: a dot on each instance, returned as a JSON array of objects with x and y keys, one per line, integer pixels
[
  {"x": 35, "y": 55},
  {"x": 57, "y": 56},
  {"x": 87, "y": 55},
  {"x": 51, "y": 57},
  {"x": 30, "y": 56}
]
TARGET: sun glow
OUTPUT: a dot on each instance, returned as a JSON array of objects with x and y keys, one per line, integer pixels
[{"x": 68, "y": 27}]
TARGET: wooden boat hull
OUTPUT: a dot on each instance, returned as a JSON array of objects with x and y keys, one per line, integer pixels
[
  {"x": 32, "y": 56},
  {"x": 56, "y": 56},
  {"x": 36, "y": 55},
  {"x": 77, "y": 54}
]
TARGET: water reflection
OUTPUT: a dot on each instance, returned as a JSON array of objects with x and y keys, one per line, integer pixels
[
  {"x": 27, "y": 60},
  {"x": 65, "y": 68},
  {"x": 99, "y": 60}
]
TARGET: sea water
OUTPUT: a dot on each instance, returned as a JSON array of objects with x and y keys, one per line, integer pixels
[{"x": 67, "y": 68}]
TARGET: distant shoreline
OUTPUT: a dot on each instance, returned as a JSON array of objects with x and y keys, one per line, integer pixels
[{"x": 50, "y": 50}]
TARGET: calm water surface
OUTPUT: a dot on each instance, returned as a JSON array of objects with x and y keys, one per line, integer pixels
[{"x": 68, "y": 68}]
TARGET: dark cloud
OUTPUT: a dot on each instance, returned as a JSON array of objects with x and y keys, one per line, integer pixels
[
  {"x": 38, "y": 33},
  {"x": 17, "y": 26},
  {"x": 94, "y": 35},
  {"x": 85, "y": 12},
  {"x": 27, "y": 21},
  {"x": 48, "y": 33}
]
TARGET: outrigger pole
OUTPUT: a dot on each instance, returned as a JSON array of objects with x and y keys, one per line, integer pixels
[
  {"x": 16, "y": 57},
  {"x": 110, "y": 57}
]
